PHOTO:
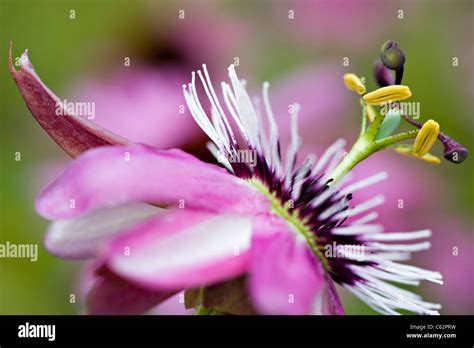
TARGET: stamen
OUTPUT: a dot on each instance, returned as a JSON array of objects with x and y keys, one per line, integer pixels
[
  {"x": 391, "y": 289},
  {"x": 221, "y": 117},
  {"x": 333, "y": 163},
  {"x": 231, "y": 104},
  {"x": 426, "y": 138},
  {"x": 293, "y": 147},
  {"x": 367, "y": 218},
  {"x": 407, "y": 150},
  {"x": 330, "y": 151},
  {"x": 263, "y": 141},
  {"x": 220, "y": 129},
  {"x": 364, "y": 183},
  {"x": 357, "y": 229},
  {"x": 395, "y": 300},
  {"x": 368, "y": 298},
  {"x": 399, "y": 247},
  {"x": 198, "y": 113},
  {"x": 301, "y": 173},
  {"x": 382, "y": 256},
  {"x": 432, "y": 159},
  {"x": 370, "y": 113},
  {"x": 408, "y": 269},
  {"x": 384, "y": 275},
  {"x": 369, "y": 204},
  {"x": 275, "y": 158},
  {"x": 321, "y": 198},
  {"x": 353, "y": 83},
  {"x": 244, "y": 107},
  {"x": 334, "y": 209},
  {"x": 399, "y": 236},
  {"x": 387, "y": 94},
  {"x": 219, "y": 156}
]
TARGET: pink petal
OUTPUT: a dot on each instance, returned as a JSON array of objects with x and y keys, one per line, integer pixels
[
  {"x": 182, "y": 248},
  {"x": 112, "y": 294},
  {"x": 285, "y": 277},
  {"x": 73, "y": 133},
  {"x": 327, "y": 302},
  {"x": 172, "y": 306},
  {"x": 85, "y": 236},
  {"x": 115, "y": 175}
]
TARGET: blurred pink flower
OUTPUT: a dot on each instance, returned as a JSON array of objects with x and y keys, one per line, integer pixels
[
  {"x": 343, "y": 23},
  {"x": 323, "y": 99},
  {"x": 453, "y": 254},
  {"x": 143, "y": 104},
  {"x": 203, "y": 31}
]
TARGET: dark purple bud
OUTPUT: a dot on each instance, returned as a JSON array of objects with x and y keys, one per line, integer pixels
[
  {"x": 453, "y": 151},
  {"x": 382, "y": 75},
  {"x": 392, "y": 56}
]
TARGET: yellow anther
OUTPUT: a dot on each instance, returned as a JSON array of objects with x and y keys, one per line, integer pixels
[
  {"x": 426, "y": 138},
  {"x": 370, "y": 112},
  {"x": 353, "y": 83},
  {"x": 404, "y": 149},
  {"x": 408, "y": 150},
  {"x": 387, "y": 94},
  {"x": 431, "y": 159}
]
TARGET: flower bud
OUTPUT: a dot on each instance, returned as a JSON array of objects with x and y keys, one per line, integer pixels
[
  {"x": 382, "y": 74},
  {"x": 392, "y": 56}
]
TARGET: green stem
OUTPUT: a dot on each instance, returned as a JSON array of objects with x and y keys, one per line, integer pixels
[
  {"x": 374, "y": 127},
  {"x": 360, "y": 150},
  {"x": 364, "y": 119},
  {"x": 201, "y": 310},
  {"x": 365, "y": 146},
  {"x": 216, "y": 312},
  {"x": 383, "y": 143}
]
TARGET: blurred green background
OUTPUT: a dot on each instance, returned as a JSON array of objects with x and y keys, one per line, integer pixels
[{"x": 64, "y": 50}]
